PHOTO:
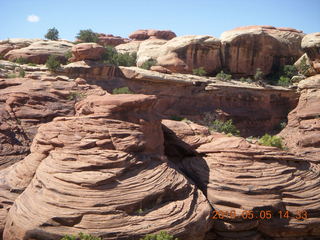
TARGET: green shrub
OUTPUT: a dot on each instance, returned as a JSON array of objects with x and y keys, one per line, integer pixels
[
  {"x": 11, "y": 75},
  {"x": 284, "y": 81},
  {"x": 111, "y": 56},
  {"x": 282, "y": 125},
  {"x": 80, "y": 236},
  {"x": 289, "y": 71},
  {"x": 22, "y": 73},
  {"x": 273, "y": 141},
  {"x": 53, "y": 63},
  {"x": 21, "y": 60},
  {"x": 242, "y": 79},
  {"x": 123, "y": 90},
  {"x": 223, "y": 76},
  {"x": 224, "y": 127},
  {"x": 76, "y": 96},
  {"x": 199, "y": 71},
  {"x": 148, "y": 64},
  {"x": 258, "y": 75},
  {"x": 304, "y": 66},
  {"x": 87, "y": 36},
  {"x": 159, "y": 236},
  {"x": 68, "y": 55},
  {"x": 52, "y": 34}
]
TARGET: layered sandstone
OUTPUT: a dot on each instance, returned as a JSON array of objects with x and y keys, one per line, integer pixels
[
  {"x": 100, "y": 172},
  {"x": 150, "y": 33},
  {"x": 86, "y": 51}
]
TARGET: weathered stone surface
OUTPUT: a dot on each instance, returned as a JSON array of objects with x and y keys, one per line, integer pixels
[
  {"x": 111, "y": 40},
  {"x": 304, "y": 61},
  {"x": 183, "y": 54},
  {"x": 238, "y": 176},
  {"x": 146, "y": 34},
  {"x": 96, "y": 170},
  {"x": 302, "y": 134},
  {"x": 247, "y": 48},
  {"x": 129, "y": 47},
  {"x": 17, "y": 43},
  {"x": 26, "y": 103},
  {"x": 86, "y": 51},
  {"x": 311, "y": 45},
  {"x": 160, "y": 69},
  {"x": 149, "y": 49},
  {"x": 39, "y": 51}
]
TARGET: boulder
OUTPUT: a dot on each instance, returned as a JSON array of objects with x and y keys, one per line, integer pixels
[
  {"x": 160, "y": 69},
  {"x": 185, "y": 53},
  {"x": 87, "y": 51},
  {"x": 130, "y": 47},
  {"x": 240, "y": 178},
  {"x": 100, "y": 172},
  {"x": 39, "y": 51},
  {"x": 110, "y": 40},
  {"x": 311, "y": 45},
  {"x": 305, "y": 66},
  {"x": 247, "y": 48},
  {"x": 302, "y": 133},
  {"x": 146, "y": 34},
  {"x": 149, "y": 49}
]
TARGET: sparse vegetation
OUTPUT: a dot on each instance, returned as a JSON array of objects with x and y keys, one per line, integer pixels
[
  {"x": 80, "y": 236},
  {"x": 148, "y": 64},
  {"x": 283, "y": 125},
  {"x": 289, "y": 71},
  {"x": 284, "y": 81},
  {"x": 304, "y": 66},
  {"x": 223, "y": 76},
  {"x": 123, "y": 90},
  {"x": 53, "y": 64},
  {"x": 224, "y": 127},
  {"x": 273, "y": 141},
  {"x": 21, "y": 61},
  {"x": 32, "y": 64},
  {"x": 22, "y": 73},
  {"x": 87, "y": 36},
  {"x": 11, "y": 75},
  {"x": 199, "y": 71},
  {"x": 76, "y": 96},
  {"x": 159, "y": 236},
  {"x": 52, "y": 34},
  {"x": 68, "y": 55},
  {"x": 111, "y": 56},
  {"x": 258, "y": 75}
]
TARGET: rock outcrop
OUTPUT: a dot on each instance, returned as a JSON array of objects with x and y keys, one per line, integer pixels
[
  {"x": 14, "y": 43},
  {"x": 111, "y": 40},
  {"x": 25, "y": 103},
  {"x": 146, "y": 34},
  {"x": 302, "y": 131},
  {"x": 238, "y": 177},
  {"x": 100, "y": 172},
  {"x": 311, "y": 45},
  {"x": 39, "y": 51},
  {"x": 86, "y": 51},
  {"x": 247, "y": 48}
]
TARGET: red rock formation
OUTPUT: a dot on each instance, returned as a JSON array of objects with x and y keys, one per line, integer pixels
[
  {"x": 86, "y": 51},
  {"x": 247, "y": 48},
  {"x": 311, "y": 45},
  {"x": 102, "y": 172},
  {"x": 302, "y": 132},
  {"x": 110, "y": 40},
  {"x": 238, "y": 176},
  {"x": 146, "y": 34}
]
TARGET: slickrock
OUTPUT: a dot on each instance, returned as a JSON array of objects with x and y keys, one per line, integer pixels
[
  {"x": 247, "y": 48},
  {"x": 146, "y": 34},
  {"x": 26, "y": 103},
  {"x": 311, "y": 45},
  {"x": 86, "y": 51},
  {"x": 110, "y": 40},
  {"x": 239, "y": 176},
  {"x": 149, "y": 49},
  {"x": 302, "y": 134},
  {"x": 14, "y": 43},
  {"x": 39, "y": 51},
  {"x": 103, "y": 172}
]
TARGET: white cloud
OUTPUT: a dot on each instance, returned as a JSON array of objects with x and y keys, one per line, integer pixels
[{"x": 33, "y": 18}]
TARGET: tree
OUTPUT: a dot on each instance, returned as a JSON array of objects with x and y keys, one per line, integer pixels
[
  {"x": 87, "y": 36},
  {"x": 52, "y": 34}
]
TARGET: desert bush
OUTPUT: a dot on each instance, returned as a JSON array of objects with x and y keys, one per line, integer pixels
[
  {"x": 11, "y": 75},
  {"x": 282, "y": 125},
  {"x": 53, "y": 63},
  {"x": 76, "y": 96},
  {"x": 224, "y": 127},
  {"x": 22, "y": 73},
  {"x": 148, "y": 64},
  {"x": 123, "y": 90},
  {"x": 68, "y": 55},
  {"x": 199, "y": 71},
  {"x": 284, "y": 81},
  {"x": 258, "y": 75},
  {"x": 52, "y": 34},
  {"x": 273, "y": 141},
  {"x": 80, "y": 236},
  {"x": 304, "y": 66},
  {"x": 87, "y": 36},
  {"x": 21, "y": 60},
  {"x": 289, "y": 71},
  {"x": 159, "y": 236},
  {"x": 111, "y": 56},
  {"x": 223, "y": 76}
]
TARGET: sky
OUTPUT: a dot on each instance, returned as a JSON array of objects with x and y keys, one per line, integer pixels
[{"x": 32, "y": 18}]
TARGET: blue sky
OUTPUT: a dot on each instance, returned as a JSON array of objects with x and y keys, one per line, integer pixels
[{"x": 121, "y": 17}]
